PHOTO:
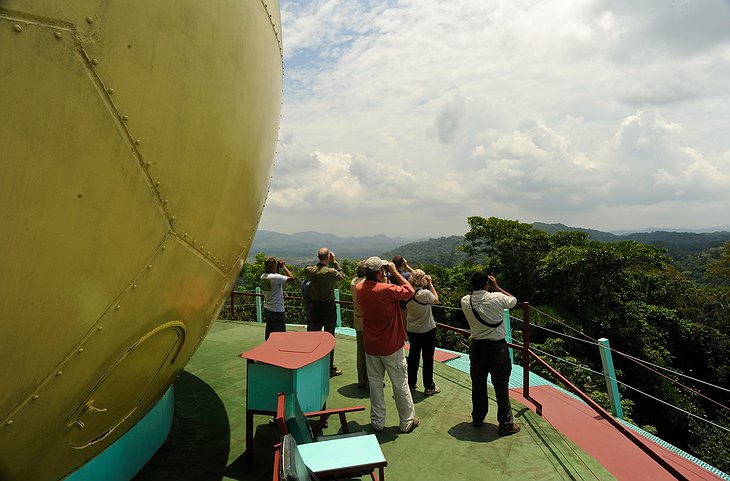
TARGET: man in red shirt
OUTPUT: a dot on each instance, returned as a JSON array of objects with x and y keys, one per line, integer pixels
[{"x": 384, "y": 338}]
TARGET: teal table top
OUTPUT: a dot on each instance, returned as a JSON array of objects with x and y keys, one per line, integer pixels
[{"x": 342, "y": 455}]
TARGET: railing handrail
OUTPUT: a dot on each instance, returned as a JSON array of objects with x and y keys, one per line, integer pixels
[{"x": 286, "y": 296}]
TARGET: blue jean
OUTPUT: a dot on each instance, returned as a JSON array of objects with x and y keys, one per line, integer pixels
[{"x": 421, "y": 343}]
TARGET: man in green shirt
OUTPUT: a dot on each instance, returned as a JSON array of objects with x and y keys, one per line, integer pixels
[{"x": 322, "y": 280}]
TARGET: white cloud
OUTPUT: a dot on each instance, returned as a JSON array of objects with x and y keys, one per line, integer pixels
[{"x": 603, "y": 114}]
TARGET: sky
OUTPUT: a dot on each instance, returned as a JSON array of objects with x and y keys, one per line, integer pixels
[{"x": 407, "y": 117}]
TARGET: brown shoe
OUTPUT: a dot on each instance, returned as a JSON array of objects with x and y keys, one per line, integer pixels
[
  {"x": 431, "y": 392},
  {"x": 509, "y": 429},
  {"x": 414, "y": 424}
]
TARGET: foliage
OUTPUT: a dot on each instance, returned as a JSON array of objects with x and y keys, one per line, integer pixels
[
  {"x": 720, "y": 268},
  {"x": 694, "y": 266},
  {"x": 512, "y": 251},
  {"x": 631, "y": 293}
]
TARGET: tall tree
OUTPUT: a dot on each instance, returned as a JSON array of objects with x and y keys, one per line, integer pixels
[{"x": 512, "y": 250}]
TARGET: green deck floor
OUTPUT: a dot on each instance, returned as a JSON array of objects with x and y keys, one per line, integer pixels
[{"x": 207, "y": 440}]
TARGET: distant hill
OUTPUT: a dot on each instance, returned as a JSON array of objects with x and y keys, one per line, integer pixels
[
  {"x": 678, "y": 244},
  {"x": 595, "y": 234},
  {"x": 443, "y": 251},
  {"x": 301, "y": 248}
]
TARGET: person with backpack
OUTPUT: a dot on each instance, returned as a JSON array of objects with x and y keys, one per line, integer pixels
[
  {"x": 421, "y": 328},
  {"x": 488, "y": 350}
]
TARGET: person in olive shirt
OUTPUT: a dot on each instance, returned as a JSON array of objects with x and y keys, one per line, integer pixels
[{"x": 322, "y": 279}]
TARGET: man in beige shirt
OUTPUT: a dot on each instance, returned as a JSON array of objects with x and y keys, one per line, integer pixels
[{"x": 488, "y": 351}]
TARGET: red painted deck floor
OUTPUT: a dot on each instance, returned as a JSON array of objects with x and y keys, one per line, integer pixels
[{"x": 597, "y": 437}]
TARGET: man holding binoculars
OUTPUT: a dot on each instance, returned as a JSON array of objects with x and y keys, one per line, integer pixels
[{"x": 322, "y": 280}]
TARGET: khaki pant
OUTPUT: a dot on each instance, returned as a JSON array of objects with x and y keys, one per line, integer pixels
[{"x": 395, "y": 365}]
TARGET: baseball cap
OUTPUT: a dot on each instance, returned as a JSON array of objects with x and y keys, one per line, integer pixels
[{"x": 374, "y": 263}]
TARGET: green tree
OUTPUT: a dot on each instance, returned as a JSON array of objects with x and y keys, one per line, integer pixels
[
  {"x": 512, "y": 251},
  {"x": 720, "y": 269}
]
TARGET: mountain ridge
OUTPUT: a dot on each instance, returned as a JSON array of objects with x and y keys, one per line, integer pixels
[{"x": 301, "y": 248}]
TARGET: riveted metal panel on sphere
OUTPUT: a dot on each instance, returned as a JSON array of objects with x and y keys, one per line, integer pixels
[{"x": 138, "y": 139}]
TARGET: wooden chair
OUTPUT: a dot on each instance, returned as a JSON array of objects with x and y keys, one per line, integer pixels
[
  {"x": 288, "y": 464},
  {"x": 291, "y": 419},
  {"x": 350, "y": 454}
]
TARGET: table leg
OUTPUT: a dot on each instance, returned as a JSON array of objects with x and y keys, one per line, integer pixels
[{"x": 249, "y": 435}]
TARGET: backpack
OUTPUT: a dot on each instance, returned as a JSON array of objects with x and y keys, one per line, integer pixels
[
  {"x": 416, "y": 300},
  {"x": 306, "y": 289}
]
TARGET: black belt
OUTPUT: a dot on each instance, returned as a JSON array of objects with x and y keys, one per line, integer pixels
[{"x": 490, "y": 341}]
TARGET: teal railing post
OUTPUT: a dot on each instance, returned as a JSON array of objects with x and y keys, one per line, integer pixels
[
  {"x": 610, "y": 375},
  {"x": 526, "y": 350},
  {"x": 258, "y": 305},
  {"x": 337, "y": 303},
  {"x": 508, "y": 333}
]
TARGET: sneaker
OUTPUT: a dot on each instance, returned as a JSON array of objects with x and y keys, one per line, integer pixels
[
  {"x": 477, "y": 424},
  {"x": 414, "y": 424},
  {"x": 509, "y": 429},
  {"x": 335, "y": 371},
  {"x": 376, "y": 429},
  {"x": 412, "y": 388},
  {"x": 431, "y": 392}
]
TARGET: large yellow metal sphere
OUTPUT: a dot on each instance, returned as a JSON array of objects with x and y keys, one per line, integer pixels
[{"x": 136, "y": 143}]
